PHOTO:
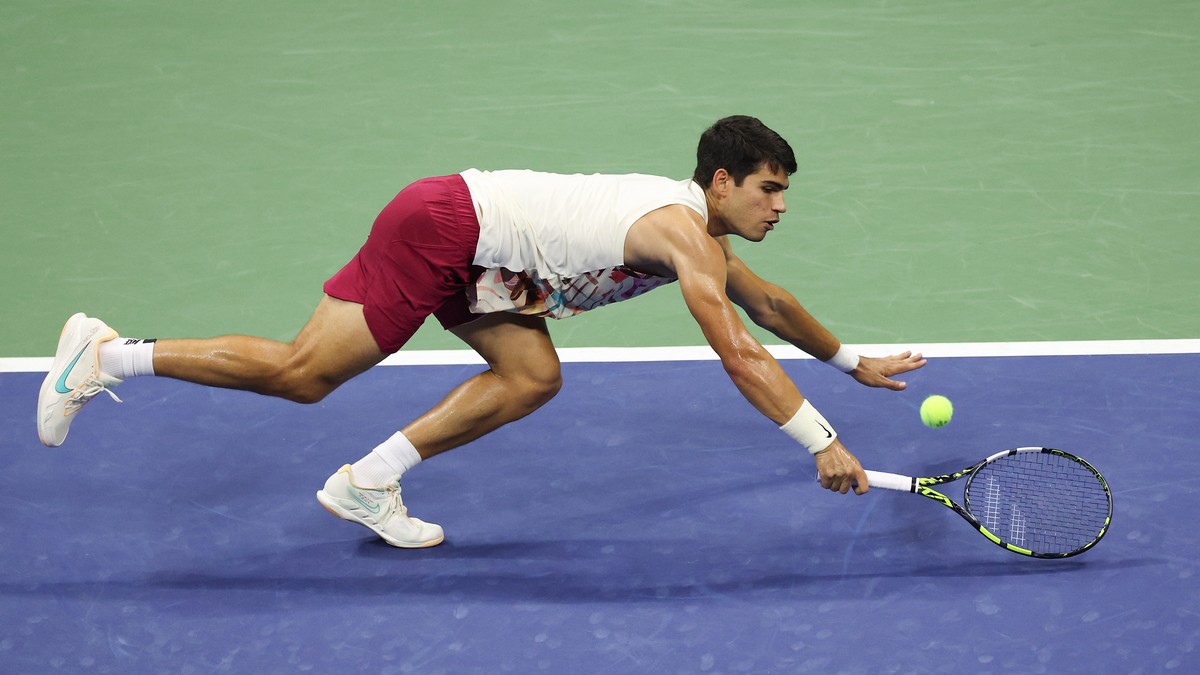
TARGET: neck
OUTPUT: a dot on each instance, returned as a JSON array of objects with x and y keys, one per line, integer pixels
[{"x": 717, "y": 227}]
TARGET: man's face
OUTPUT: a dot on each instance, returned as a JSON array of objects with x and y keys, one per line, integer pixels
[{"x": 752, "y": 208}]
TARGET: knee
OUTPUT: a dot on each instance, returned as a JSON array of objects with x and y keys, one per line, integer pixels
[
  {"x": 309, "y": 394},
  {"x": 538, "y": 387},
  {"x": 549, "y": 387},
  {"x": 299, "y": 383}
]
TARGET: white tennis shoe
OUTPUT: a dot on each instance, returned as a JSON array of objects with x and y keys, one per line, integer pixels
[
  {"x": 379, "y": 509},
  {"x": 74, "y": 377}
]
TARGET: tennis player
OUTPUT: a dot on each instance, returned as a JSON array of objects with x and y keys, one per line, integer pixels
[{"x": 491, "y": 254}]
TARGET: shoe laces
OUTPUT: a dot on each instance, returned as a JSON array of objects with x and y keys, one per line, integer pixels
[
  {"x": 85, "y": 392},
  {"x": 394, "y": 502}
]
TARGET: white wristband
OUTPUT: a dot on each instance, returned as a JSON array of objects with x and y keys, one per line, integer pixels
[
  {"x": 809, "y": 429},
  {"x": 844, "y": 360}
]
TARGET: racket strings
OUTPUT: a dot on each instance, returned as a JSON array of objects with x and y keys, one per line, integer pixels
[{"x": 1039, "y": 501}]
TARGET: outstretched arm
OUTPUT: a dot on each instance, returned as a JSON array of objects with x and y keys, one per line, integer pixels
[
  {"x": 778, "y": 311},
  {"x": 696, "y": 260}
]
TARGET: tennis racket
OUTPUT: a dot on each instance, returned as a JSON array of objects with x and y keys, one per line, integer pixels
[{"x": 1038, "y": 502}]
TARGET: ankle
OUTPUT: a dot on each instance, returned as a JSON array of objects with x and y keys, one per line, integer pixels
[
  {"x": 390, "y": 458},
  {"x": 123, "y": 358}
]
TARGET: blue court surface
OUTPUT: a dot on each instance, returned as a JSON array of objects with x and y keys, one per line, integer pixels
[{"x": 646, "y": 521}]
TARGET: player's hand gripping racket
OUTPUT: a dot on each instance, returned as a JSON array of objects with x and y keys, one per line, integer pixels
[{"x": 1038, "y": 502}]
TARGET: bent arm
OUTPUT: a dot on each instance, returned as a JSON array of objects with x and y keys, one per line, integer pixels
[{"x": 776, "y": 310}]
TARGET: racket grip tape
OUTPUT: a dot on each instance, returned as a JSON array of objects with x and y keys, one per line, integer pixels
[{"x": 890, "y": 481}]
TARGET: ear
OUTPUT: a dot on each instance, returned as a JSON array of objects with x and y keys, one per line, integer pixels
[{"x": 721, "y": 182}]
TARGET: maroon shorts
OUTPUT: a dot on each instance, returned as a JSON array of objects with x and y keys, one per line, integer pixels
[{"x": 416, "y": 262}]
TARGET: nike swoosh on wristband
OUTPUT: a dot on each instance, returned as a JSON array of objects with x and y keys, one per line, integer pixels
[
  {"x": 828, "y": 433},
  {"x": 61, "y": 385}
]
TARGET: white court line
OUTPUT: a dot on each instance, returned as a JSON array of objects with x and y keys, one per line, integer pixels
[{"x": 448, "y": 357}]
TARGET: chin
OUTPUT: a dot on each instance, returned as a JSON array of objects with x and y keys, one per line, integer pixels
[{"x": 752, "y": 235}]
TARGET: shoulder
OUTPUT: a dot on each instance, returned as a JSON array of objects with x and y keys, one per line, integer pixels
[
  {"x": 666, "y": 237},
  {"x": 674, "y": 222}
]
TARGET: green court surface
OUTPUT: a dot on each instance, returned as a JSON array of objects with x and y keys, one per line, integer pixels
[{"x": 970, "y": 171}]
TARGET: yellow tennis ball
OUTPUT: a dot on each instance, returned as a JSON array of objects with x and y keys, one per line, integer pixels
[{"x": 936, "y": 411}]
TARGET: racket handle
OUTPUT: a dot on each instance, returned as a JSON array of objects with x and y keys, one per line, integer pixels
[{"x": 889, "y": 481}]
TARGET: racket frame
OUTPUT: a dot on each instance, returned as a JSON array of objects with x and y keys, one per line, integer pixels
[{"x": 922, "y": 486}]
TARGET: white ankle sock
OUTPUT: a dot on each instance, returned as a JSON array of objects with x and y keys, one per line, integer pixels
[
  {"x": 127, "y": 357},
  {"x": 392, "y": 457}
]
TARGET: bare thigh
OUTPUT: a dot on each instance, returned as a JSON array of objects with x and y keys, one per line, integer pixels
[
  {"x": 336, "y": 343},
  {"x": 334, "y": 346},
  {"x": 513, "y": 345}
]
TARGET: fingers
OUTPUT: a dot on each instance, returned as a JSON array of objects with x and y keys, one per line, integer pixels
[
  {"x": 902, "y": 363},
  {"x": 840, "y": 484},
  {"x": 861, "y": 485},
  {"x": 907, "y": 362},
  {"x": 911, "y": 362},
  {"x": 879, "y": 379},
  {"x": 839, "y": 471},
  {"x": 856, "y": 481},
  {"x": 845, "y": 483},
  {"x": 877, "y": 372}
]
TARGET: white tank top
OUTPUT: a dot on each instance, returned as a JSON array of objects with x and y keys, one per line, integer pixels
[{"x": 553, "y": 244}]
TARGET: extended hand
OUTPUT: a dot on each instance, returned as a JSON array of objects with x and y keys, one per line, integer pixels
[
  {"x": 877, "y": 372},
  {"x": 839, "y": 470}
]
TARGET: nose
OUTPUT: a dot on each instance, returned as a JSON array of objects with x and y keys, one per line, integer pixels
[{"x": 779, "y": 206}]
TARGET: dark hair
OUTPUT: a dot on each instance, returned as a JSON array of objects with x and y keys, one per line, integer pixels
[{"x": 741, "y": 145}]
